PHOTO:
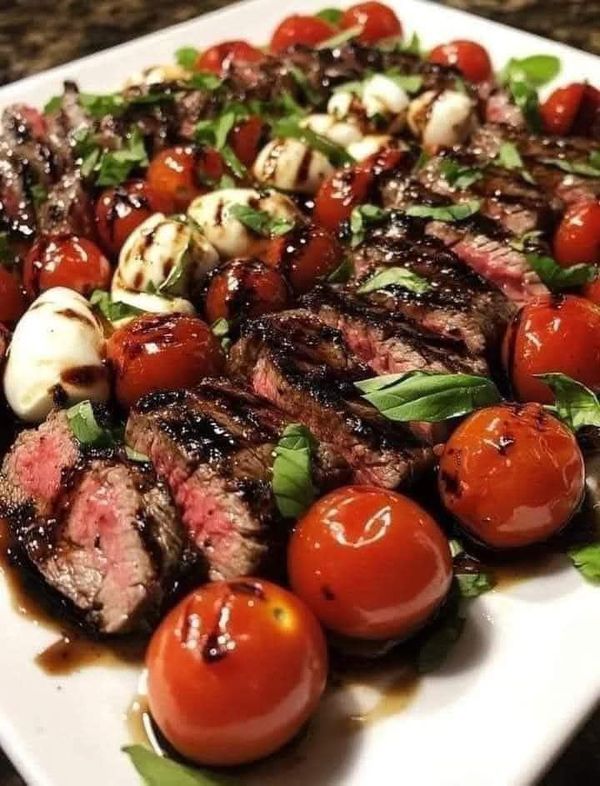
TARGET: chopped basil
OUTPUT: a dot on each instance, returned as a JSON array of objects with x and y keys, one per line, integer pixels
[
  {"x": 114, "y": 167},
  {"x": 412, "y": 46},
  {"x": 471, "y": 579},
  {"x": 343, "y": 272},
  {"x": 85, "y": 427},
  {"x": 331, "y": 15},
  {"x": 175, "y": 283},
  {"x": 574, "y": 403},
  {"x": 460, "y": 86},
  {"x": 38, "y": 194},
  {"x": 215, "y": 133},
  {"x": 134, "y": 455},
  {"x": 458, "y": 176},
  {"x": 428, "y": 397},
  {"x": 361, "y": 217},
  {"x": 204, "y": 81},
  {"x": 292, "y": 478},
  {"x": 220, "y": 329},
  {"x": 113, "y": 310},
  {"x": 587, "y": 561},
  {"x": 291, "y": 128},
  {"x": 450, "y": 213},
  {"x": 225, "y": 181},
  {"x": 102, "y": 105},
  {"x": 355, "y": 87},
  {"x": 157, "y": 770},
  {"x": 526, "y": 98},
  {"x": 305, "y": 87},
  {"x": 340, "y": 38},
  {"x": 395, "y": 277},
  {"x": 574, "y": 168},
  {"x": 557, "y": 278},
  {"x": 509, "y": 156},
  {"x": 233, "y": 162},
  {"x": 186, "y": 57},
  {"x": 441, "y": 637},
  {"x": 260, "y": 221},
  {"x": 538, "y": 70},
  {"x": 411, "y": 83},
  {"x": 53, "y": 105}
]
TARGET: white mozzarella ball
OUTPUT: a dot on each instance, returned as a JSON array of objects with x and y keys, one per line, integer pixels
[
  {"x": 145, "y": 301},
  {"x": 441, "y": 119},
  {"x": 57, "y": 350},
  {"x": 155, "y": 75},
  {"x": 232, "y": 238},
  {"x": 382, "y": 96},
  {"x": 290, "y": 165},
  {"x": 340, "y": 104},
  {"x": 342, "y": 133},
  {"x": 370, "y": 144}
]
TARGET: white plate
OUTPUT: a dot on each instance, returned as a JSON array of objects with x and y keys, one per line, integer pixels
[{"x": 527, "y": 669}]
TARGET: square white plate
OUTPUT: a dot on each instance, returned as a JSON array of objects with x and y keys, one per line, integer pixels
[{"x": 527, "y": 669}]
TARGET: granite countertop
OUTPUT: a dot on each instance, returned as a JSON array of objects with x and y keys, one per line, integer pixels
[{"x": 38, "y": 34}]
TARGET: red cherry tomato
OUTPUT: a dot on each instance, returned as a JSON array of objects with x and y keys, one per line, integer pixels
[
  {"x": 305, "y": 256},
  {"x": 176, "y": 174},
  {"x": 234, "y": 671},
  {"x": 219, "y": 58},
  {"x": 573, "y": 109},
  {"x": 370, "y": 563},
  {"x": 591, "y": 291},
  {"x": 120, "y": 210},
  {"x": 577, "y": 238},
  {"x": 12, "y": 298},
  {"x": 161, "y": 352},
  {"x": 470, "y": 58},
  {"x": 300, "y": 29},
  {"x": 553, "y": 334},
  {"x": 72, "y": 262},
  {"x": 513, "y": 475},
  {"x": 377, "y": 20},
  {"x": 244, "y": 288},
  {"x": 246, "y": 139}
]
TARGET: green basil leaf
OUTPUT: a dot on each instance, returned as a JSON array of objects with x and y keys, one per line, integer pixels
[
  {"x": 160, "y": 771},
  {"x": 343, "y": 272},
  {"x": 395, "y": 276},
  {"x": 340, "y": 38},
  {"x": 214, "y": 132},
  {"x": 186, "y": 57},
  {"x": 450, "y": 213},
  {"x": 460, "y": 177},
  {"x": 260, "y": 221},
  {"x": 86, "y": 428},
  {"x": 292, "y": 477},
  {"x": 102, "y": 105},
  {"x": 113, "y": 310},
  {"x": 538, "y": 70},
  {"x": 523, "y": 242},
  {"x": 410, "y": 83},
  {"x": 355, "y": 87},
  {"x": 363, "y": 216},
  {"x": 290, "y": 128},
  {"x": 509, "y": 156},
  {"x": 421, "y": 396},
  {"x": 134, "y": 455},
  {"x": 595, "y": 159},
  {"x": 233, "y": 162},
  {"x": 573, "y": 168},
  {"x": 587, "y": 561},
  {"x": 575, "y": 404},
  {"x": 226, "y": 181},
  {"x": 331, "y": 15},
  {"x": 174, "y": 284},
  {"x": 38, "y": 194},
  {"x": 412, "y": 46},
  {"x": 204, "y": 80},
  {"x": 526, "y": 98},
  {"x": 557, "y": 278},
  {"x": 114, "y": 167},
  {"x": 311, "y": 95},
  {"x": 441, "y": 636},
  {"x": 53, "y": 105},
  {"x": 471, "y": 585}
]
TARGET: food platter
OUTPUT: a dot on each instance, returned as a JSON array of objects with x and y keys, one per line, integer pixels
[{"x": 523, "y": 676}]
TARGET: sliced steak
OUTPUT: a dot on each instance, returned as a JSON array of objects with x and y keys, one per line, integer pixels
[{"x": 304, "y": 367}]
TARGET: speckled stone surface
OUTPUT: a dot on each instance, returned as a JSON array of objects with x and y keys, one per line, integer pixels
[{"x": 38, "y": 34}]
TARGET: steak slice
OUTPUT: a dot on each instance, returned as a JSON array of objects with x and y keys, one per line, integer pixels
[
  {"x": 214, "y": 447},
  {"x": 303, "y": 367}
]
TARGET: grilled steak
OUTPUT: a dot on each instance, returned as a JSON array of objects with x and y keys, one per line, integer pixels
[{"x": 304, "y": 367}]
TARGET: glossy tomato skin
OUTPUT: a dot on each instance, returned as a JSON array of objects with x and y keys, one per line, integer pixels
[
  {"x": 512, "y": 475},
  {"x": 13, "y": 302},
  {"x": 244, "y": 288},
  {"x": 70, "y": 261},
  {"x": 305, "y": 256},
  {"x": 572, "y": 109},
  {"x": 553, "y": 333},
  {"x": 176, "y": 174},
  {"x": 234, "y": 671},
  {"x": 469, "y": 57},
  {"x": 591, "y": 291},
  {"x": 370, "y": 563},
  {"x": 161, "y": 352},
  {"x": 300, "y": 29},
  {"x": 247, "y": 138},
  {"x": 218, "y": 59},
  {"x": 377, "y": 20},
  {"x": 577, "y": 238}
]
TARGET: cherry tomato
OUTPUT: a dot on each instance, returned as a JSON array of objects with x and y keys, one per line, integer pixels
[
  {"x": 553, "y": 333},
  {"x": 470, "y": 58},
  {"x": 300, "y": 29},
  {"x": 572, "y": 109},
  {"x": 219, "y": 58},
  {"x": 161, "y": 352},
  {"x": 234, "y": 671},
  {"x": 176, "y": 174},
  {"x": 376, "y": 19},
  {"x": 247, "y": 138},
  {"x": 12, "y": 298},
  {"x": 244, "y": 288},
  {"x": 591, "y": 291},
  {"x": 577, "y": 238},
  {"x": 305, "y": 256},
  {"x": 513, "y": 475},
  {"x": 72, "y": 262},
  {"x": 120, "y": 210},
  {"x": 370, "y": 563}
]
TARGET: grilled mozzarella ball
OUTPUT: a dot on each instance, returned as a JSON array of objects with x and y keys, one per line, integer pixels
[
  {"x": 369, "y": 145},
  {"x": 342, "y": 133},
  {"x": 441, "y": 119},
  {"x": 146, "y": 301},
  {"x": 379, "y": 97},
  {"x": 232, "y": 238},
  {"x": 290, "y": 165},
  {"x": 56, "y": 353}
]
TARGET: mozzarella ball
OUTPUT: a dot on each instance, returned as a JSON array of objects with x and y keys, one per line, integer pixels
[
  {"x": 370, "y": 144},
  {"x": 343, "y": 134},
  {"x": 146, "y": 301},
  {"x": 227, "y": 234},
  {"x": 340, "y": 104},
  {"x": 56, "y": 353},
  {"x": 382, "y": 96},
  {"x": 441, "y": 119},
  {"x": 290, "y": 165}
]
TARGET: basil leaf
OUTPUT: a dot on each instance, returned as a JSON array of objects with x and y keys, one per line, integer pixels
[
  {"x": 331, "y": 15},
  {"x": 260, "y": 221},
  {"x": 422, "y": 396},
  {"x": 204, "y": 80},
  {"x": 102, "y": 105},
  {"x": 53, "y": 105},
  {"x": 233, "y": 162},
  {"x": 573, "y": 168},
  {"x": 86, "y": 428},
  {"x": 343, "y": 272},
  {"x": 340, "y": 38},
  {"x": 594, "y": 159},
  {"x": 526, "y": 98},
  {"x": 361, "y": 217},
  {"x": 300, "y": 78},
  {"x": 587, "y": 561},
  {"x": 557, "y": 278},
  {"x": 459, "y": 85},
  {"x": 456, "y": 212},
  {"x": 395, "y": 276},
  {"x": 186, "y": 57},
  {"x": 134, "y": 455},
  {"x": 38, "y": 194},
  {"x": 226, "y": 181},
  {"x": 113, "y": 310},
  {"x": 471, "y": 580},
  {"x": 214, "y": 132},
  {"x": 356, "y": 88},
  {"x": 442, "y": 636},
  {"x": 160, "y": 771},
  {"x": 529, "y": 238},
  {"x": 292, "y": 478},
  {"x": 220, "y": 329},
  {"x": 411, "y": 83},
  {"x": 412, "y": 46},
  {"x": 175, "y": 283},
  {"x": 509, "y": 156},
  {"x": 460, "y": 177},
  {"x": 289, "y": 128},
  {"x": 535, "y": 69},
  {"x": 115, "y": 167},
  {"x": 574, "y": 403}
]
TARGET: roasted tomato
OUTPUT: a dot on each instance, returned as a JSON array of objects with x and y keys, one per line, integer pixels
[
  {"x": 12, "y": 298},
  {"x": 219, "y": 58},
  {"x": 120, "y": 210},
  {"x": 577, "y": 238},
  {"x": 72, "y": 262},
  {"x": 572, "y": 109},
  {"x": 180, "y": 174},
  {"x": 553, "y": 333},
  {"x": 512, "y": 475},
  {"x": 234, "y": 671},
  {"x": 300, "y": 29},
  {"x": 244, "y": 288},
  {"x": 377, "y": 20},
  {"x": 370, "y": 563},
  {"x": 305, "y": 256},
  {"x": 470, "y": 58},
  {"x": 247, "y": 138},
  {"x": 161, "y": 352}
]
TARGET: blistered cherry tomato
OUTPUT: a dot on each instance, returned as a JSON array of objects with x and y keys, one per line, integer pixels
[
  {"x": 577, "y": 238},
  {"x": 72, "y": 262},
  {"x": 370, "y": 563},
  {"x": 180, "y": 174},
  {"x": 161, "y": 352},
  {"x": 300, "y": 29},
  {"x": 12, "y": 297},
  {"x": 234, "y": 671},
  {"x": 120, "y": 210},
  {"x": 512, "y": 475},
  {"x": 377, "y": 20},
  {"x": 470, "y": 58},
  {"x": 246, "y": 139},
  {"x": 219, "y": 58},
  {"x": 572, "y": 109},
  {"x": 591, "y": 291},
  {"x": 244, "y": 288},
  {"x": 305, "y": 256},
  {"x": 553, "y": 333}
]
